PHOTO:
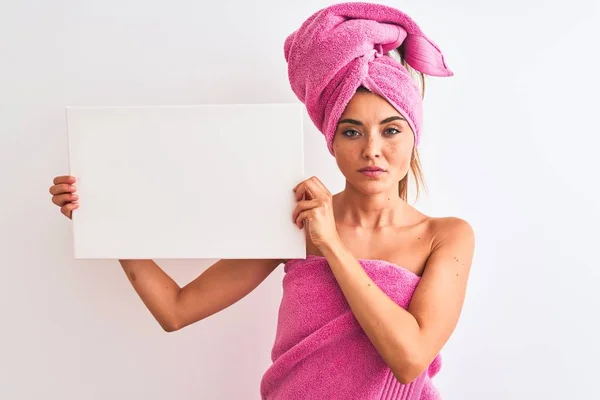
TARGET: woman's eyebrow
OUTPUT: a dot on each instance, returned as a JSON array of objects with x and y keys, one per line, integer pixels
[
  {"x": 390, "y": 119},
  {"x": 359, "y": 123}
]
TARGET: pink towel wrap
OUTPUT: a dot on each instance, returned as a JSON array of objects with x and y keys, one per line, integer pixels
[
  {"x": 344, "y": 46},
  {"x": 321, "y": 351}
]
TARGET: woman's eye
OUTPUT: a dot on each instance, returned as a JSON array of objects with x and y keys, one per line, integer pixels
[{"x": 354, "y": 133}]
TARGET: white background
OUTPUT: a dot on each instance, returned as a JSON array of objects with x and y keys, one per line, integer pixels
[{"x": 510, "y": 144}]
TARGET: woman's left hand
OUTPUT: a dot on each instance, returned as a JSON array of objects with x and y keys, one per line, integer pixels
[{"x": 316, "y": 211}]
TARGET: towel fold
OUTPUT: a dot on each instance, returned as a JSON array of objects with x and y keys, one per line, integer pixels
[
  {"x": 344, "y": 46},
  {"x": 320, "y": 349}
]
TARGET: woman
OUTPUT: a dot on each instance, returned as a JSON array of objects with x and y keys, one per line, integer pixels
[{"x": 366, "y": 313}]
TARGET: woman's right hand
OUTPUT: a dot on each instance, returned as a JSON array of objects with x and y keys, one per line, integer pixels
[{"x": 64, "y": 194}]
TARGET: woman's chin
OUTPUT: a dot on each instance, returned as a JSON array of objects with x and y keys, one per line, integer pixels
[{"x": 372, "y": 186}]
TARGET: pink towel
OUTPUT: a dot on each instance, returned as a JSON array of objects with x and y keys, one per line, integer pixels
[
  {"x": 320, "y": 349},
  {"x": 344, "y": 46}
]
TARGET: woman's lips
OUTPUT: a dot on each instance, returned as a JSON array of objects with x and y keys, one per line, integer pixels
[{"x": 372, "y": 173}]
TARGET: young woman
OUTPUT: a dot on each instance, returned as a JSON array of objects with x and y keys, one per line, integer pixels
[{"x": 366, "y": 314}]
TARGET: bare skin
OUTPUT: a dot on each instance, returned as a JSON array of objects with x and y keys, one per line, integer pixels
[
  {"x": 370, "y": 218},
  {"x": 407, "y": 245}
]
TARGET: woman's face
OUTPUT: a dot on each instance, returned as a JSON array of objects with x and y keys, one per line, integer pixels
[{"x": 371, "y": 133}]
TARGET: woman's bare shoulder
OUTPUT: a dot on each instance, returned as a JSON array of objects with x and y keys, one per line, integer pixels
[{"x": 449, "y": 228}]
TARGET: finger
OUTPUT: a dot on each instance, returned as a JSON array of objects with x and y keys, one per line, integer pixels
[
  {"x": 308, "y": 189},
  {"x": 304, "y": 216},
  {"x": 320, "y": 184},
  {"x": 64, "y": 179},
  {"x": 62, "y": 199},
  {"x": 62, "y": 188},
  {"x": 298, "y": 185},
  {"x": 299, "y": 192},
  {"x": 304, "y": 182},
  {"x": 67, "y": 209},
  {"x": 304, "y": 205}
]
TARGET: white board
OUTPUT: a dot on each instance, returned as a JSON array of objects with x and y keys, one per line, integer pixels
[{"x": 199, "y": 181}]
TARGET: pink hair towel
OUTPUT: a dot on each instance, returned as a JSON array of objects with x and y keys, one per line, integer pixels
[
  {"x": 344, "y": 46},
  {"x": 320, "y": 349}
]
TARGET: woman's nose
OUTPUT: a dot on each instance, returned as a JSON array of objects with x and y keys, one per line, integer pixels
[{"x": 372, "y": 147}]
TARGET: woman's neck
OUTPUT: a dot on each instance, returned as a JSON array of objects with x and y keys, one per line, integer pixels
[{"x": 369, "y": 211}]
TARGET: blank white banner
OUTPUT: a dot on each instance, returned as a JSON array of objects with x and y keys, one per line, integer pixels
[{"x": 206, "y": 181}]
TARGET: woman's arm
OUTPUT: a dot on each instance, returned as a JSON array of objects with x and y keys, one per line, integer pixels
[
  {"x": 408, "y": 340},
  {"x": 221, "y": 285}
]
